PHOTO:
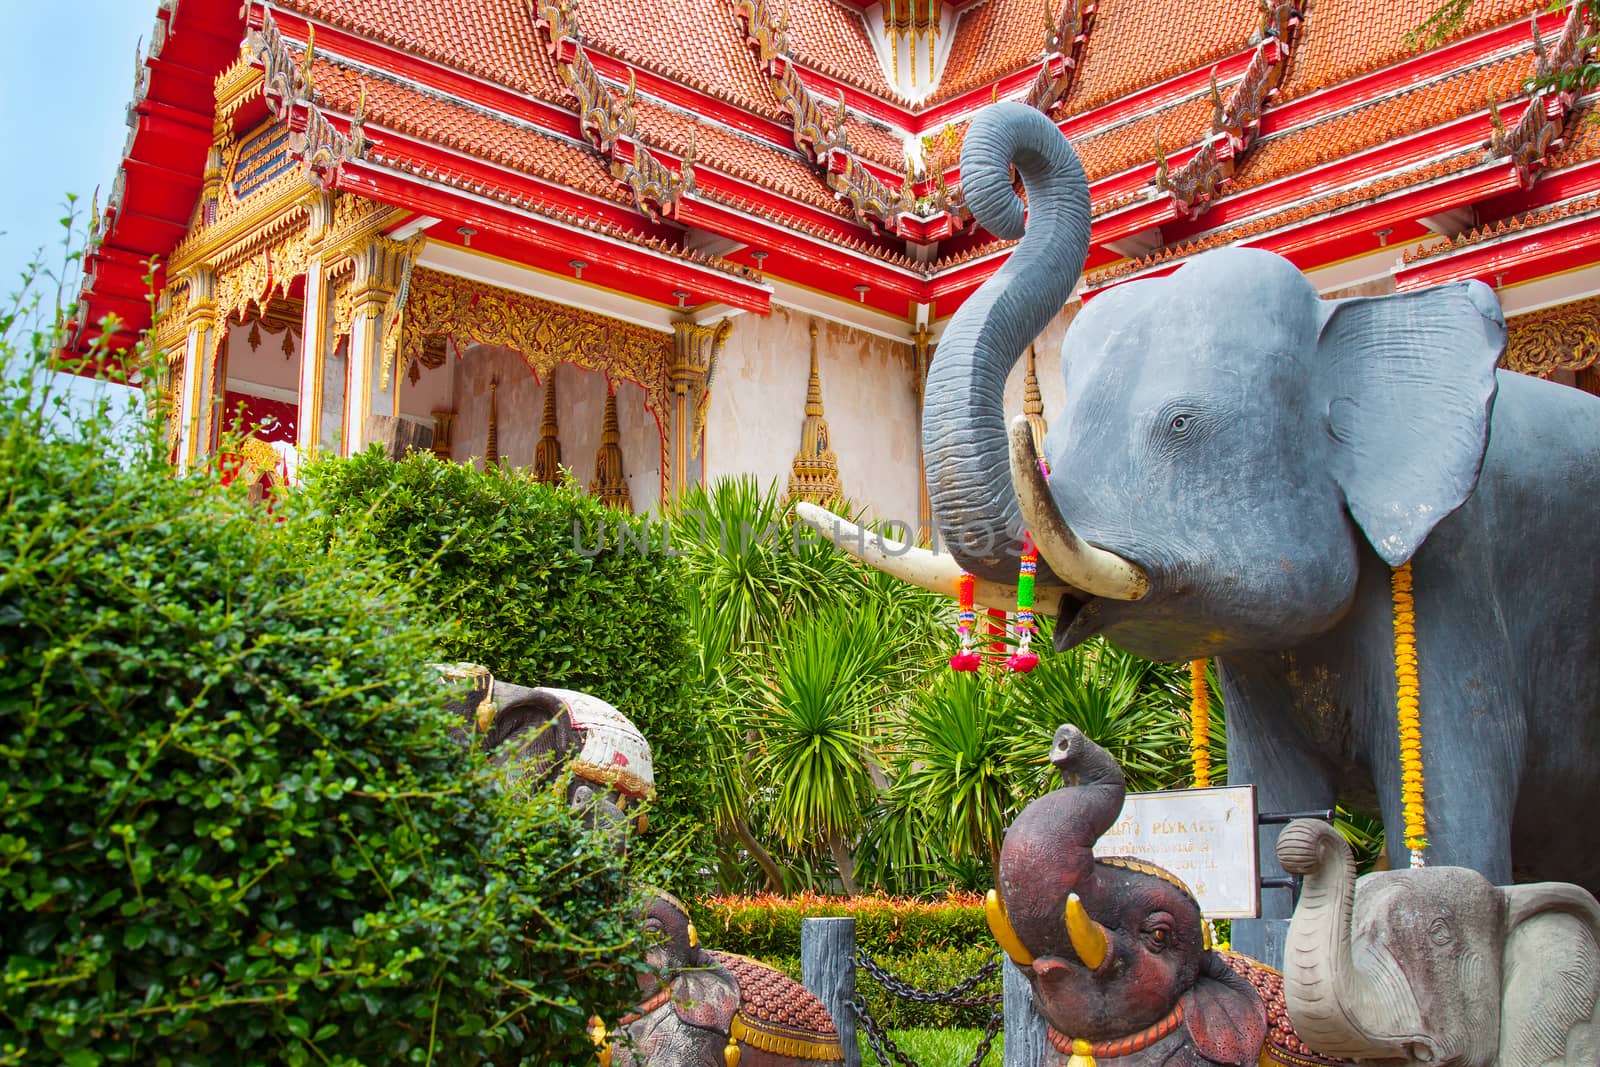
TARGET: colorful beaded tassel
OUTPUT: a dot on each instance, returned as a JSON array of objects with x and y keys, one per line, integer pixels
[
  {"x": 966, "y": 659},
  {"x": 1024, "y": 659}
]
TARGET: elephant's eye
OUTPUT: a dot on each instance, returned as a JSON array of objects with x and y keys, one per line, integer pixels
[
  {"x": 1180, "y": 423},
  {"x": 1158, "y": 938}
]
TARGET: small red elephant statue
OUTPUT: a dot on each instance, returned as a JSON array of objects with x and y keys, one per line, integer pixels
[
  {"x": 716, "y": 1009},
  {"x": 1116, "y": 950}
]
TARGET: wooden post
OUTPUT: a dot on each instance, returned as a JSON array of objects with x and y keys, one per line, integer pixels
[
  {"x": 1027, "y": 1043},
  {"x": 828, "y": 969}
]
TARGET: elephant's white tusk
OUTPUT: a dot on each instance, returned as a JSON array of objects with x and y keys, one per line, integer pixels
[
  {"x": 933, "y": 571},
  {"x": 1094, "y": 570}
]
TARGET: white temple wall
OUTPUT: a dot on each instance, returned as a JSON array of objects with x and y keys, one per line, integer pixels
[
  {"x": 758, "y": 405},
  {"x": 580, "y": 414},
  {"x": 263, "y": 366},
  {"x": 433, "y": 391}
]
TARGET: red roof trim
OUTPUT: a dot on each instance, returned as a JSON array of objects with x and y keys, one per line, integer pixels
[{"x": 1516, "y": 257}]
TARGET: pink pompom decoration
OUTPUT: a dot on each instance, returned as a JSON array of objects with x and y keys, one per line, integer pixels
[
  {"x": 966, "y": 661},
  {"x": 1023, "y": 662}
]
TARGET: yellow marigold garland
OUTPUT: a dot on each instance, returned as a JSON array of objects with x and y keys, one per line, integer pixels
[
  {"x": 1200, "y": 723},
  {"x": 1408, "y": 711}
]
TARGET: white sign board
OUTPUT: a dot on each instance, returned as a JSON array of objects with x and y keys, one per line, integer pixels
[{"x": 1207, "y": 837}]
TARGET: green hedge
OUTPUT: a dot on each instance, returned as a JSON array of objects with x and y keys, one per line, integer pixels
[
  {"x": 929, "y": 944},
  {"x": 233, "y": 826},
  {"x": 537, "y": 605}
]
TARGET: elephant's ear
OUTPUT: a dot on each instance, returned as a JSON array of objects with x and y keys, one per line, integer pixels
[
  {"x": 1226, "y": 1017},
  {"x": 1550, "y": 981},
  {"x": 1409, "y": 383},
  {"x": 706, "y": 997}
]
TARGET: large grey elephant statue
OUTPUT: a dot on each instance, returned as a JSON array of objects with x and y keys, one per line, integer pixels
[
  {"x": 1437, "y": 965},
  {"x": 1238, "y": 466}
]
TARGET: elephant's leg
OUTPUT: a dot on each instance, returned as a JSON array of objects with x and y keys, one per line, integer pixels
[
  {"x": 1471, "y": 760},
  {"x": 1267, "y": 750}
]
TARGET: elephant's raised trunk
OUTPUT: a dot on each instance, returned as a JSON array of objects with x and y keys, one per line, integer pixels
[
  {"x": 1333, "y": 1008},
  {"x": 965, "y": 449}
]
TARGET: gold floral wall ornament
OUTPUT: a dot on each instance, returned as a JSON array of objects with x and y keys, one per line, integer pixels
[
  {"x": 610, "y": 485},
  {"x": 1563, "y": 338},
  {"x": 541, "y": 332},
  {"x": 814, "y": 475}
]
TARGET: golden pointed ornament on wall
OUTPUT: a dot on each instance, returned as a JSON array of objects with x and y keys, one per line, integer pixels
[
  {"x": 491, "y": 447},
  {"x": 814, "y": 475},
  {"x": 1033, "y": 404},
  {"x": 610, "y": 485},
  {"x": 547, "y": 454}
]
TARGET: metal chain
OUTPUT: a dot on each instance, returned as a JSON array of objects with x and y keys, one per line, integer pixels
[
  {"x": 995, "y": 1020},
  {"x": 888, "y": 1053},
  {"x": 955, "y": 996},
  {"x": 878, "y": 1038}
]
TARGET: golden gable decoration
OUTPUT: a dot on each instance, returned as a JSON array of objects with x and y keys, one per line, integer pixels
[
  {"x": 542, "y": 332},
  {"x": 1555, "y": 339}
]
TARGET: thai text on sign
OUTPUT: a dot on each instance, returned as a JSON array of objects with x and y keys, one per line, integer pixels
[{"x": 1207, "y": 837}]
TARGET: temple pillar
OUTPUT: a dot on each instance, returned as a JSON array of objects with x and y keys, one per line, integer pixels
[
  {"x": 315, "y": 335},
  {"x": 199, "y": 368},
  {"x": 379, "y": 266},
  {"x": 695, "y": 350}
]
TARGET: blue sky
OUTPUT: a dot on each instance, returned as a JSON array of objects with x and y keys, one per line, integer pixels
[{"x": 66, "y": 74}]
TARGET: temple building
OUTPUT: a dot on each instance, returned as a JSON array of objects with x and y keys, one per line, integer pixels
[{"x": 657, "y": 243}]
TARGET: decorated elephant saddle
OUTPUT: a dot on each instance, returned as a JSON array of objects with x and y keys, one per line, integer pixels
[
  {"x": 1283, "y": 1047},
  {"x": 778, "y": 1016}
]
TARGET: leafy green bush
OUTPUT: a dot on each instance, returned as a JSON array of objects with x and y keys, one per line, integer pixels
[
  {"x": 929, "y": 944},
  {"x": 768, "y": 927},
  {"x": 233, "y": 825},
  {"x": 515, "y": 564}
]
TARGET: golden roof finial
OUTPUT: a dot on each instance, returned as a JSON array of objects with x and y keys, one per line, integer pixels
[
  {"x": 1033, "y": 404},
  {"x": 491, "y": 447},
  {"x": 610, "y": 486},
  {"x": 814, "y": 475},
  {"x": 547, "y": 454}
]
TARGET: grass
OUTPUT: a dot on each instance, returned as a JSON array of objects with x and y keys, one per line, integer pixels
[{"x": 937, "y": 1048}]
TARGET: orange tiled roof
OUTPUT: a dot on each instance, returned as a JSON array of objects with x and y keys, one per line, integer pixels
[
  {"x": 1341, "y": 39},
  {"x": 719, "y": 150},
  {"x": 876, "y": 145},
  {"x": 1583, "y": 139},
  {"x": 455, "y": 125},
  {"x": 832, "y": 39},
  {"x": 492, "y": 39},
  {"x": 1489, "y": 231},
  {"x": 1116, "y": 150},
  {"x": 1308, "y": 209},
  {"x": 1137, "y": 43},
  {"x": 697, "y": 42},
  {"x": 1398, "y": 116},
  {"x": 992, "y": 40},
  {"x": 455, "y": 179},
  {"x": 864, "y": 246}
]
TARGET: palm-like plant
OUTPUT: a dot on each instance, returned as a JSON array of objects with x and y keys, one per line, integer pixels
[
  {"x": 743, "y": 558},
  {"x": 1126, "y": 705},
  {"x": 960, "y": 761},
  {"x": 826, "y": 671}
]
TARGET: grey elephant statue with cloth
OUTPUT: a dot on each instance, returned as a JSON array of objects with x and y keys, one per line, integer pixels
[
  {"x": 1437, "y": 965},
  {"x": 1238, "y": 467}
]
